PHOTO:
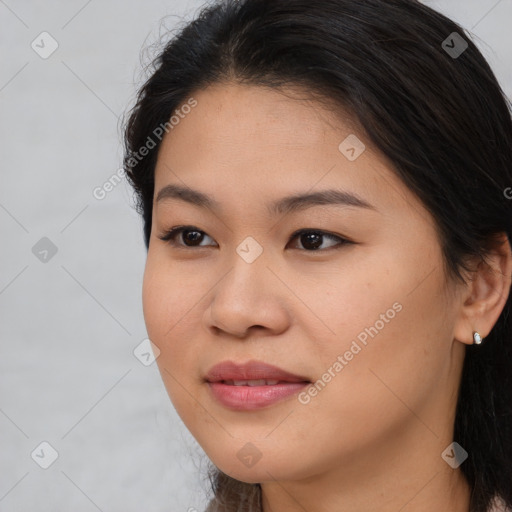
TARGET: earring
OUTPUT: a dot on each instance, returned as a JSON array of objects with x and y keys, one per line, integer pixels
[{"x": 477, "y": 339}]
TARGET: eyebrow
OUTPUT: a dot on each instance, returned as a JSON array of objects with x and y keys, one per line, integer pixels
[{"x": 289, "y": 204}]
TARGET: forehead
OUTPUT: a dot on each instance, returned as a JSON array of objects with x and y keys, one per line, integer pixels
[
  {"x": 252, "y": 115},
  {"x": 258, "y": 140}
]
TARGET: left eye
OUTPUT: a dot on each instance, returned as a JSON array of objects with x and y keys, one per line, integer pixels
[{"x": 311, "y": 240}]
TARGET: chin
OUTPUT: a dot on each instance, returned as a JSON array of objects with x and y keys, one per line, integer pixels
[{"x": 267, "y": 468}]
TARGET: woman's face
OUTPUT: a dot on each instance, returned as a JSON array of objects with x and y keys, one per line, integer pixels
[{"x": 368, "y": 322}]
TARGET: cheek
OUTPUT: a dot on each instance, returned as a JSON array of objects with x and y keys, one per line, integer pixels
[
  {"x": 163, "y": 307},
  {"x": 172, "y": 322},
  {"x": 395, "y": 357},
  {"x": 392, "y": 327},
  {"x": 155, "y": 303},
  {"x": 167, "y": 299}
]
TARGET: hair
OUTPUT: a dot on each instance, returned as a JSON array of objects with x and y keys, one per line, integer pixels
[{"x": 442, "y": 120}]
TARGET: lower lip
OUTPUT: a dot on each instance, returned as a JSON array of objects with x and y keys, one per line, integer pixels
[{"x": 245, "y": 398}]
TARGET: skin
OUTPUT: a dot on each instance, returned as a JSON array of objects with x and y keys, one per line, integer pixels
[{"x": 372, "y": 438}]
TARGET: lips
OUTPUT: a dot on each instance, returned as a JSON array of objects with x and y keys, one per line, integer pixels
[
  {"x": 253, "y": 385},
  {"x": 251, "y": 373}
]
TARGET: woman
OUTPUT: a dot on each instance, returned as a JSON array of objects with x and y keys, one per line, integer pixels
[{"x": 326, "y": 195}]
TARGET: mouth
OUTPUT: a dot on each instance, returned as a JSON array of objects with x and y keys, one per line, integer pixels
[
  {"x": 252, "y": 385},
  {"x": 251, "y": 373}
]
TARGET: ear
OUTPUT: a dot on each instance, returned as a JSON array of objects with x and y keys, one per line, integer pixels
[{"x": 486, "y": 292}]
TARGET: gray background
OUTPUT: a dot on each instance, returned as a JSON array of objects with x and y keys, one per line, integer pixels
[{"x": 69, "y": 325}]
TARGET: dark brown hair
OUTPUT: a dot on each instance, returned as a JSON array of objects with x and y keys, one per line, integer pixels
[{"x": 441, "y": 119}]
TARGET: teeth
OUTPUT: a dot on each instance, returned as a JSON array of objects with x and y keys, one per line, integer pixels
[{"x": 260, "y": 382}]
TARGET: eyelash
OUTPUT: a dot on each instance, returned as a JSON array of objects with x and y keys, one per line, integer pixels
[{"x": 170, "y": 235}]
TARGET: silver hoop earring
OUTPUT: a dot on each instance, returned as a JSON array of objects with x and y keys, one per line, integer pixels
[{"x": 477, "y": 339}]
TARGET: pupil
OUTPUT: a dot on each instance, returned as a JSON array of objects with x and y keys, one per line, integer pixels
[
  {"x": 195, "y": 236},
  {"x": 313, "y": 239}
]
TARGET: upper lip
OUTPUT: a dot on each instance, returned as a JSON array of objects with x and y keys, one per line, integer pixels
[{"x": 251, "y": 370}]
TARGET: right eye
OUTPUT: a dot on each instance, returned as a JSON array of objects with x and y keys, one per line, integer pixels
[{"x": 187, "y": 234}]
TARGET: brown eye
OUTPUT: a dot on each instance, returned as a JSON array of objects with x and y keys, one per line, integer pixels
[
  {"x": 194, "y": 237},
  {"x": 190, "y": 236},
  {"x": 312, "y": 240}
]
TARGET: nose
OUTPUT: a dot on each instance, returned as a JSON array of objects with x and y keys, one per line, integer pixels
[{"x": 249, "y": 298}]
